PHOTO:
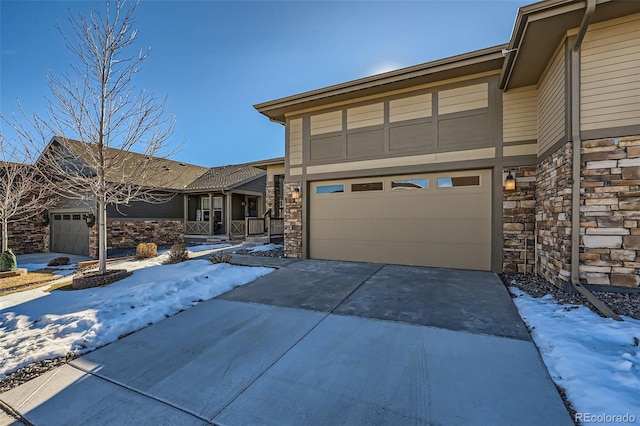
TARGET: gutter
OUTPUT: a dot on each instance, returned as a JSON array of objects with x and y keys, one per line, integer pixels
[{"x": 577, "y": 144}]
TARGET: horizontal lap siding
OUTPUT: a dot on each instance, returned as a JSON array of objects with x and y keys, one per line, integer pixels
[
  {"x": 520, "y": 115},
  {"x": 551, "y": 104},
  {"x": 295, "y": 141},
  {"x": 610, "y": 74},
  {"x": 463, "y": 98},
  {"x": 364, "y": 116},
  {"x": 410, "y": 108},
  {"x": 326, "y": 123}
]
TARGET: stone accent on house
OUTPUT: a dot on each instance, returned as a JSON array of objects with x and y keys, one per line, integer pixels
[
  {"x": 292, "y": 221},
  {"x": 28, "y": 236},
  {"x": 610, "y": 211},
  {"x": 518, "y": 221},
  {"x": 553, "y": 216},
  {"x": 270, "y": 198},
  {"x": 129, "y": 233}
]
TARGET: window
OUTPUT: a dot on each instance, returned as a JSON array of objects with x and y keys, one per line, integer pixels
[
  {"x": 217, "y": 209},
  {"x": 329, "y": 189},
  {"x": 410, "y": 184},
  {"x": 451, "y": 182},
  {"x": 370, "y": 186}
]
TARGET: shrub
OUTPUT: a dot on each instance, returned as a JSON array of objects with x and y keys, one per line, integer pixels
[
  {"x": 177, "y": 253},
  {"x": 220, "y": 258},
  {"x": 59, "y": 261},
  {"x": 146, "y": 250},
  {"x": 8, "y": 261}
]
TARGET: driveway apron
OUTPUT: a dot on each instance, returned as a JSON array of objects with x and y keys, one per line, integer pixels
[{"x": 316, "y": 343}]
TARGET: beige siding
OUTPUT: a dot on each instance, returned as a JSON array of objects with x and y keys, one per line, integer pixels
[
  {"x": 520, "y": 115},
  {"x": 326, "y": 123},
  {"x": 610, "y": 74},
  {"x": 515, "y": 150},
  {"x": 551, "y": 103},
  {"x": 410, "y": 108},
  {"x": 463, "y": 98},
  {"x": 366, "y": 115},
  {"x": 295, "y": 141}
]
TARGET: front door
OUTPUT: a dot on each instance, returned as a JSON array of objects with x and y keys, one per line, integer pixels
[{"x": 252, "y": 207}]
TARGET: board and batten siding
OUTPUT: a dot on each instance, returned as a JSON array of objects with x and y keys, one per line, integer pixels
[
  {"x": 610, "y": 74},
  {"x": 463, "y": 98},
  {"x": 551, "y": 103},
  {"x": 520, "y": 115}
]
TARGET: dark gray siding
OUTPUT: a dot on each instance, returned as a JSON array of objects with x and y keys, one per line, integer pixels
[
  {"x": 326, "y": 147},
  {"x": 411, "y": 137},
  {"x": 258, "y": 185},
  {"x": 365, "y": 144},
  {"x": 464, "y": 132},
  {"x": 172, "y": 209}
]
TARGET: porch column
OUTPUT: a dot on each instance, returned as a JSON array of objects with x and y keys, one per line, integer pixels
[
  {"x": 185, "y": 208},
  {"x": 210, "y": 213},
  {"x": 227, "y": 208}
]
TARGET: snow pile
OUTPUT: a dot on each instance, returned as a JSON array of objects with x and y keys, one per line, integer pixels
[
  {"x": 52, "y": 324},
  {"x": 596, "y": 360},
  {"x": 266, "y": 247}
]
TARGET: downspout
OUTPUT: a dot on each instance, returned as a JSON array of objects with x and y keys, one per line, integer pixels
[{"x": 577, "y": 144}]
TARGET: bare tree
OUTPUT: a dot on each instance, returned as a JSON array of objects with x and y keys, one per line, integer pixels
[
  {"x": 23, "y": 191},
  {"x": 124, "y": 131}
]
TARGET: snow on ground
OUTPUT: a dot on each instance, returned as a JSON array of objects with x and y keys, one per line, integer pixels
[
  {"x": 196, "y": 249},
  {"x": 40, "y": 325},
  {"x": 59, "y": 270},
  {"x": 596, "y": 360},
  {"x": 266, "y": 247}
]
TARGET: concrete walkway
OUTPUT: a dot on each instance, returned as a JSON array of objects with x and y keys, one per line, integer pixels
[{"x": 316, "y": 343}]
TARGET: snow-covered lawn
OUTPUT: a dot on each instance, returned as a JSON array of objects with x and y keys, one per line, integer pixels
[
  {"x": 596, "y": 360},
  {"x": 265, "y": 247},
  {"x": 36, "y": 325}
]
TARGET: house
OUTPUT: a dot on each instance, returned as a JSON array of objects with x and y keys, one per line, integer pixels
[
  {"x": 417, "y": 166},
  {"x": 193, "y": 201},
  {"x": 218, "y": 202}
]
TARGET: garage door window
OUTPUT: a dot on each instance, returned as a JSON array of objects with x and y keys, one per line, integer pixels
[
  {"x": 453, "y": 182},
  {"x": 329, "y": 189},
  {"x": 409, "y": 184},
  {"x": 369, "y": 186}
]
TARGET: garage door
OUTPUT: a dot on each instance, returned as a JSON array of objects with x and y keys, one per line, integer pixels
[
  {"x": 438, "y": 219},
  {"x": 69, "y": 233}
]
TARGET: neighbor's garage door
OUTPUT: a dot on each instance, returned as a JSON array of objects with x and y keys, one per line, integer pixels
[
  {"x": 438, "y": 219},
  {"x": 70, "y": 234}
]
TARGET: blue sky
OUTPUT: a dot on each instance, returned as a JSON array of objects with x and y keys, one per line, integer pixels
[{"x": 214, "y": 60}]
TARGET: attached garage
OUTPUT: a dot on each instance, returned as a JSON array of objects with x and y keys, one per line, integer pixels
[
  {"x": 70, "y": 233},
  {"x": 436, "y": 219}
]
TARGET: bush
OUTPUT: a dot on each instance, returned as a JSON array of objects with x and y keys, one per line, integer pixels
[
  {"x": 220, "y": 258},
  {"x": 59, "y": 261},
  {"x": 146, "y": 250},
  {"x": 177, "y": 253},
  {"x": 8, "y": 261}
]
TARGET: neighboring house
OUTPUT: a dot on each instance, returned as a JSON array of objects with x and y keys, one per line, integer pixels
[
  {"x": 200, "y": 202},
  {"x": 127, "y": 225},
  {"x": 218, "y": 202},
  {"x": 408, "y": 167},
  {"x": 275, "y": 184}
]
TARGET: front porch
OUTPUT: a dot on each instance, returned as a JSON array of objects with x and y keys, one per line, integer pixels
[{"x": 229, "y": 215}]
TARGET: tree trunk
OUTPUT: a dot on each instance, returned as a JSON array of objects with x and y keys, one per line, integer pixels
[
  {"x": 5, "y": 235},
  {"x": 102, "y": 237}
]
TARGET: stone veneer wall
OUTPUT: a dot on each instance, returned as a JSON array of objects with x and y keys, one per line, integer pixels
[
  {"x": 130, "y": 233},
  {"x": 270, "y": 199},
  {"x": 518, "y": 221},
  {"x": 610, "y": 211},
  {"x": 28, "y": 236},
  {"x": 292, "y": 221},
  {"x": 553, "y": 216}
]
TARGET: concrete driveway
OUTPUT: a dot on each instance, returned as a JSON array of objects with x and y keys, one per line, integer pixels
[{"x": 316, "y": 343}]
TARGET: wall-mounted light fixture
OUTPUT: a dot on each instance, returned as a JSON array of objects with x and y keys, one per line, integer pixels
[
  {"x": 509, "y": 182},
  {"x": 296, "y": 193},
  {"x": 90, "y": 219}
]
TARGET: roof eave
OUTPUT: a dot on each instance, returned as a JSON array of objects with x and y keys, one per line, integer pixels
[{"x": 274, "y": 109}]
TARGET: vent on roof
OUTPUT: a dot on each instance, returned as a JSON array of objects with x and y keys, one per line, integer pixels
[
  {"x": 183, "y": 165},
  {"x": 166, "y": 168}
]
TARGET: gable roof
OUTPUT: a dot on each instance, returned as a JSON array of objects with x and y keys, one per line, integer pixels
[
  {"x": 164, "y": 173},
  {"x": 226, "y": 177}
]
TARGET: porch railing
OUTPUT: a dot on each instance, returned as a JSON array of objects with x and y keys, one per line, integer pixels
[
  {"x": 238, "y": 228},
  {"x": 197, "y": 228},
  {"x": 255, "y": 226}
]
